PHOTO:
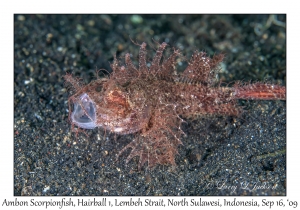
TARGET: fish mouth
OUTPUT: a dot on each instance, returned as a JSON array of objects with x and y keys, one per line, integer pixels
[{"x": 84, "y": 113}]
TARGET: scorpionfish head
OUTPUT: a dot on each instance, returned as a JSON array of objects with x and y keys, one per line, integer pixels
[{"x": 102, "y": 103}]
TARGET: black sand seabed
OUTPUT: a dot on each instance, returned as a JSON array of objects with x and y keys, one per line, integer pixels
[{"x": 219, "y": 155}]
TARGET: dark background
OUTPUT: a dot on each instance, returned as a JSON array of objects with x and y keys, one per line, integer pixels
[{"x": 218, "y": 153}]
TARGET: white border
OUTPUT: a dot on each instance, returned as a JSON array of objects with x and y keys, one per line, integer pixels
[{"x": 153, "y": 6}]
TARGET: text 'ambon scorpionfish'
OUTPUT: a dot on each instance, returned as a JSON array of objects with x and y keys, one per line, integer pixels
[{"x": 151, "y": 101}]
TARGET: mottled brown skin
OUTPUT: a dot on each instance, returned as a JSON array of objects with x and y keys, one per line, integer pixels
[{"x": 151, "y": 100}]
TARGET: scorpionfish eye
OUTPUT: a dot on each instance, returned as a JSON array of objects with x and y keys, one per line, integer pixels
[{"x": 84, "y": 113}]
